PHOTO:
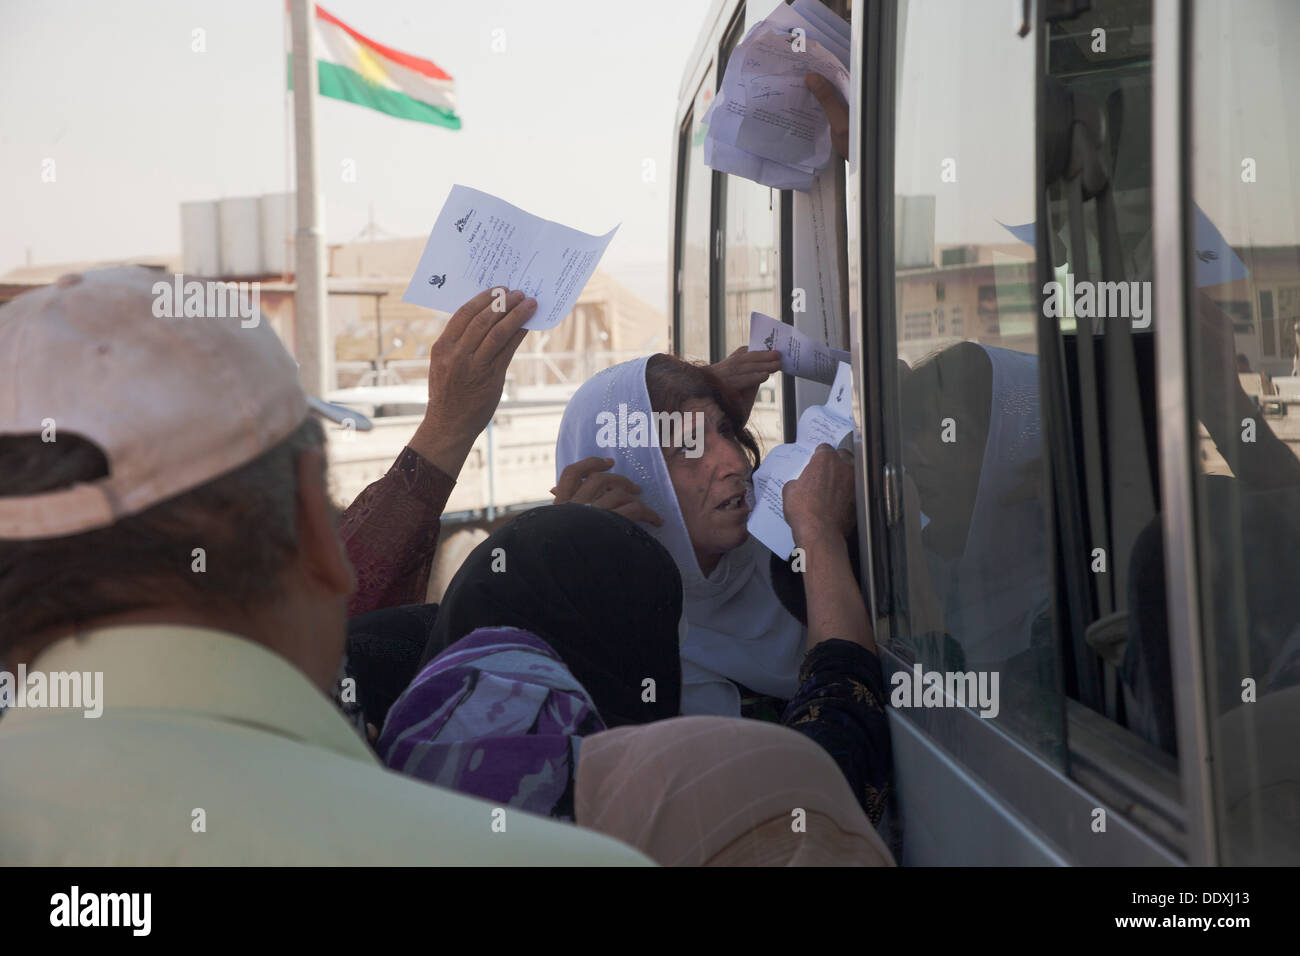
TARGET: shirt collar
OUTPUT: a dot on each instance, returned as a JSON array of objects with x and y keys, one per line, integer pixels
[{"x": 200, "y": 671}]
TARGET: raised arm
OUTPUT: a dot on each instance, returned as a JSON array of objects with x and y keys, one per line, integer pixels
[
  {"x": 819, "y": 506},
  {"x": 840, "y": 703},
  {"x": 391, "y": 530}
]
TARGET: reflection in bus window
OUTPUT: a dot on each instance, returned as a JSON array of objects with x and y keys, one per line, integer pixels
[
  {"x": 970, "y": 556},
  {"x": 1098, "y": 179},
  {"x": 984, "y": 539},
  {"x": 1246, "y": 183},
  {"x": 751, "y": 286},
  {"x": 695, "y": 252}
]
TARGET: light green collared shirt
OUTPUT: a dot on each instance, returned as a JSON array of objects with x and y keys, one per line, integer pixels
[{"x": 214, "y": 750}]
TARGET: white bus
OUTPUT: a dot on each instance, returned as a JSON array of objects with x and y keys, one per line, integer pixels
[{"x": 1119, "y": 534}]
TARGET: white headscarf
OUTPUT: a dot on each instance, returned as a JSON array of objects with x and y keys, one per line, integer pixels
[
  {"x": 737, "y": 629},
  {"x": 993, "y": 592}
]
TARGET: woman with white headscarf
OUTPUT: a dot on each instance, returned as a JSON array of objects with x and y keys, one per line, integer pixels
[
  {"x": 696, "y": 497},
  {"x": 809, "y": 664},
  {"x": 973, "y": 448}
]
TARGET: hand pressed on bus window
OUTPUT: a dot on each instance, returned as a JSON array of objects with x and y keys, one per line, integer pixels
[
  {"x": 837, "y": 111},
  {"x": 588, "y": 482},
  {"x": 467, "y": 372},
  {"x": 819, "y": 505},
  {"x": 744, "y": 371},
  {"x": 821, "y": 502}
]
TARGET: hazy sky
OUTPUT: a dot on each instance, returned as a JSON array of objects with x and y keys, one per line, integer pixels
[{"x": 136, "y": 122}]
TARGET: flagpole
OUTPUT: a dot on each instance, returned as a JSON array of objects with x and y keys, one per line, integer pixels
[
  {"x": 286, "y": 103},
  {"x": 313, "y": 342}
]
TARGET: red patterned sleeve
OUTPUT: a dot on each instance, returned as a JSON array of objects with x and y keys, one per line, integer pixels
[{"x": 391, "y": 533}]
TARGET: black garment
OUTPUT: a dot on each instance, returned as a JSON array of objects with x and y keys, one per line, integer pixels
[
  {"x": 841, "y": 705},
  {"x": 383, "y": 655},
  {"x": 840, "y": 702},
  {"x": 598, "y": 589}
]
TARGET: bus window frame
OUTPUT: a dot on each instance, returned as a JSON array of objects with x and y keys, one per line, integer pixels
[
  {"x": 1172, "y": 244},
  {"x": 703, "y": 61},
  {"x": 871, "y": 186},
  {"x": 726, "y": 24},
  {"x": 785, "y": 278},
  {"x": 1104, "y": 756},
  {"x": 681, "y": 171},
  {"x": 731, "y": 35}
]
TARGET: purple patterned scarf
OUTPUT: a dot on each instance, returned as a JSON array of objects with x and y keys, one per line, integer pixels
[{"x": 496, "y": 715}]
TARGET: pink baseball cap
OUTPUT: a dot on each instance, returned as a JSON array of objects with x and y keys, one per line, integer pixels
[{"x": 172, "y": 402}]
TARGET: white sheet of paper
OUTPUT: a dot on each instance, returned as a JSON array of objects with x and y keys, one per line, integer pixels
[
  {"x": 830, "y": 423},
  {"x": 801, "y": 354},
  {"x": 811, "y": 22},
  {"x": 730, "y": 159},
  {"x": 801, "y": 170},
  {"x": 816, "y": 12},
  {"x": 747, "y": 128},
  {"x": 767, "y": 110},
  {"x": 480, "y": 241}
]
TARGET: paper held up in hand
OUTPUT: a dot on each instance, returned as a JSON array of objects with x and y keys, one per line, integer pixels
[
  {"x": 830, "y": 424},
  {"x": 801, "y": 355},
  {"x": 480, "y": 241},
  {"x": 765, "y": 124}
]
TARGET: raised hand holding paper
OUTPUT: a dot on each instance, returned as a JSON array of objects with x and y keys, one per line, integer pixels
[
  {"x": 764, "y": 124},
  {"x": 769, "y": 111},
  {"x": 801, "y": 355},
  {"x": 480, "y": 241},
  {"x": 828, "y": 423}
]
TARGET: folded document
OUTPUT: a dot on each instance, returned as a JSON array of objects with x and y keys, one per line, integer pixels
[
  {"x": 801, "y": 355},
  {"x": 480, "y": 241},
  {"x": 829, "y": 424},
  {"x": 765, "y": 124}
]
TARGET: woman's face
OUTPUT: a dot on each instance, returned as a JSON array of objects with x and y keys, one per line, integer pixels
[{"x": 711, "y": 486}]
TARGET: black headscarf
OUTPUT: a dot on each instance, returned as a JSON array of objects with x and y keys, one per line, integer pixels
[
  {"x": 383, "y": 654},
  {"x": 598, "y": 589}
]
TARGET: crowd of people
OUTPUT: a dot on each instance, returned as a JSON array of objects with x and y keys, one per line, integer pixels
[
  {"x": 623, "y": 676},
  {"x": 620, "y": 677}
]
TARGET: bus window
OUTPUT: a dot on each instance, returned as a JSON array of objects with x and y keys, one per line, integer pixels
[
  {"x": 970, "y": 566},
  {"x": 695, "y": 248},
  {"x": 750, "y": 218},
  {"x": 1245, "y": 189},
  {"x": 1098, "y": 182},
  {"x": 751, "y": 270}
]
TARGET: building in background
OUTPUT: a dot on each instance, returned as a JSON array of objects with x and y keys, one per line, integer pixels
[{"x": 381, "y": 356}]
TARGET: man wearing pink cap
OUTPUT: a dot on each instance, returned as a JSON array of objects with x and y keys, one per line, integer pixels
[{"x": 165, "y": 529}]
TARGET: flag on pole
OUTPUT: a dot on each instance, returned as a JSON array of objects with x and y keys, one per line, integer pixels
[{"x": 352, "y": 67}]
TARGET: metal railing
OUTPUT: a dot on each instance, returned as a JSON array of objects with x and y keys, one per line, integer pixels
[{"x": 528, "y": 369}]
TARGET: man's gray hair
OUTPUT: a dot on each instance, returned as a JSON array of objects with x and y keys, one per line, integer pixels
[{"x": 245, "y": 522}]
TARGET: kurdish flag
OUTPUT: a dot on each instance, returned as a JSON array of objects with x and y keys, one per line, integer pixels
[{"x": 355, "y": 68}]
